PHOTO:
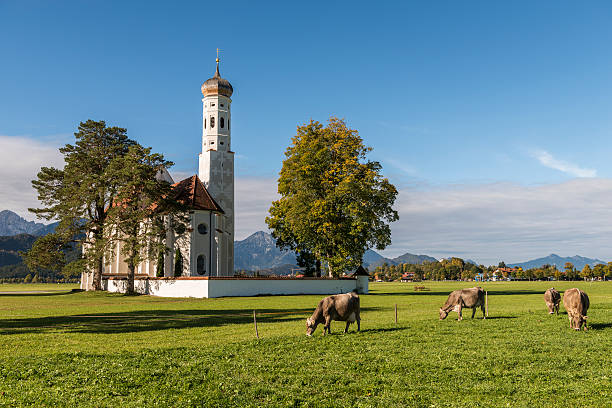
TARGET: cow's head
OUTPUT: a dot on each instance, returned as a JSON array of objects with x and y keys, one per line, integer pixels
[
  {"x": 443, "y": 314},
  {"x": 311, "y": 325},
  {"x": 577, "y": 322}
]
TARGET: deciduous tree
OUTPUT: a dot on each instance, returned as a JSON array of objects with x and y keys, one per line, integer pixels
[{"x": 334, "y": 202}]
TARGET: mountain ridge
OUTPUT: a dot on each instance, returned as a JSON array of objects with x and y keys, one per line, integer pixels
[
  {"x": 553, "y": 259},
  {"x": 12, "y": 223}
]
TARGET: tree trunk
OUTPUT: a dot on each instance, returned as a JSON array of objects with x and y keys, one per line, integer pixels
[
  {"x": 130, "y": 279},
  {"x": 97, "y": 274}
]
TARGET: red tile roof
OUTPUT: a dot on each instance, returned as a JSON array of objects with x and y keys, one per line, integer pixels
[{"x": 192, "y": 193}]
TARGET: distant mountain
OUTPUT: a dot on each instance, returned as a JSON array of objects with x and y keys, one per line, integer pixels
[
  {"x": 413, "y": 259},
  {"x": 372, "y": 261},
  {"x": 13, "y": 224},
  {"x": 374, "y": 258},
  {"x": 553, "y": 259},
  {"x": 259, "y": 251}
]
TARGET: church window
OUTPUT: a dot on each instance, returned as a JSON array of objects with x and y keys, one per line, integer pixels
[
  {"x": 201, "y": 265},
  {"x": 222, "y": 122},
  {"x": 221, "y": 143},
  {"x": 202, "y": 228},
  {"x": 204, "y": 123},
  {"x": 221, "y": 105},
  {"x": 212, "y": 122},
  {"x": 212, "y": 104},
  {"x": 228, "y": 124}
]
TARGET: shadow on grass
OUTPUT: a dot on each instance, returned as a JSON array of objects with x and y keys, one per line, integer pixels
[
  {"x": 501, "y": 317},
  {"x": 37, "y": 293},
  {"x": 149, "y": 320},
  {"x": 446, "y": 293},
  {"x": 599, "y": 326},
  {"x": 385, "y": 329}
]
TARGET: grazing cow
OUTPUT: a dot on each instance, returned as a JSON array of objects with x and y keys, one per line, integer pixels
[
  {"x": 343, "y": 307},
  {"x": 552, "y": 299},
  {"x": 576, "y": 303},
  {"x": 458, "y": 299}
]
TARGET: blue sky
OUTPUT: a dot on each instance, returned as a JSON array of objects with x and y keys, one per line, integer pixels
[{"x": 461, "y": 101}]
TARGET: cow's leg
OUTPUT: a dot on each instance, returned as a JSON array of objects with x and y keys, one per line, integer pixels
[
  {"x": 347, "y": 326},
  {"x": 473, "y": 311},
  {"x": 327, "y": 325},
  {"x": 459, "y": 312},
  {"x": 482, "y": 307},
  {"x": 358, "y": 322}
]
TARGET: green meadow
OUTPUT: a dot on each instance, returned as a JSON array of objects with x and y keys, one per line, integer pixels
[{"x": 63, "y": 348}]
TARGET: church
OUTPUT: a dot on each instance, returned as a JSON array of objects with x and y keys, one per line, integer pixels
[{"x": 206, "y": 248}]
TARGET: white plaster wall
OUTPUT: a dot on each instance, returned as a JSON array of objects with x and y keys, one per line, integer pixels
[
  {"x": 213, "y": 288},
  {"x": 196, "y": 288},
  {"x": 255, "y": 287}
]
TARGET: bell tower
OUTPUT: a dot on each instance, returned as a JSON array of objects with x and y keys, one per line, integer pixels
[{"x": 216, "y": 164}]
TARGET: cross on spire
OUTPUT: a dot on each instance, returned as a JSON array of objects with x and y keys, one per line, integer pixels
[{"x": 217, "y": 55}]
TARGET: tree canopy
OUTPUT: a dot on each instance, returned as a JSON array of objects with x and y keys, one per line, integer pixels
[
  {"x": 136, "y": 220},
  {"x": 334, "y": 204},
  {"x": 78, "y": 194}
]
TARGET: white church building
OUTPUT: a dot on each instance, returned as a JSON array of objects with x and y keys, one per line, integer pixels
[{"x": 207, "y": 245}]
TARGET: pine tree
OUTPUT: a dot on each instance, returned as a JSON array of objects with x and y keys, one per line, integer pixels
[
  {"x": 78, "y": 195},
  {"x": 143, "y": 204},
  {"x": 178, "y": 263}
]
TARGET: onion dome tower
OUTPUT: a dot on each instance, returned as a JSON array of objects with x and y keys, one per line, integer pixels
[{"x": 216, "y": 164}]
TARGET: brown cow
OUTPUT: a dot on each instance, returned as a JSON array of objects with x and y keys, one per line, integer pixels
[
  {"x": 576, "y": 303},
  {"x": 552, "y": 299},
  {"x": 343, "y": 307},
  {"x": 458, "y": 299}
]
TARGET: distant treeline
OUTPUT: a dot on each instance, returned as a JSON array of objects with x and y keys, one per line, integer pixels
[
  {"x": 458, "y": 269},
  {"x": 14, "y": 270}
]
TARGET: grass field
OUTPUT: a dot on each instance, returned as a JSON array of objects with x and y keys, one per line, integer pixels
[{"x": 95, "y": 349}]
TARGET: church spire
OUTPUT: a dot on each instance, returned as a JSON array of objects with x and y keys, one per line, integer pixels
[{"x": 217, "y": 75}]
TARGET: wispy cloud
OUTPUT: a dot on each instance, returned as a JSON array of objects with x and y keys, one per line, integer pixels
[
  {"x": 547, "y": 159},
  {"x": 506, "y": 221},
  {"x": 254, "y": 195},
  {"x": 402, "y": 166}
]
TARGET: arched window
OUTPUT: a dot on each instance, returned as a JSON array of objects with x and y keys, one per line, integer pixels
[
  {"x": 221, "y": 122},
  {"x": 228, "y": 121},
  {"x": 212, "y": 122},
  {"x": 204, "y": 123},
  {"x": 202, "y": 228},
  {"x": 201, "y": 265}
]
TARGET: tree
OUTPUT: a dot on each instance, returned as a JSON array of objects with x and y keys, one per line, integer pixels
[
  {"x": 587, "y": 272},
  {"x": 609, "y": 270},
  {"x": 137, "y": 220},
  {"x": 334, "y": 202},
  {"x": 47, "y": 252},
  {"x": 570, "y": 271},
  {"x": 599, "y": 271},
  {"x": 178, "y": 262},
  {"x": 78, "y": 195}
]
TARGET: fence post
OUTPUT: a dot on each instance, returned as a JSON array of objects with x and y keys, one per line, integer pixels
[{"x": 255, "y": 322}]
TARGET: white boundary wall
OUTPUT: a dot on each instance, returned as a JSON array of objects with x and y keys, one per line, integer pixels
[{"x": 214, "y": 288}]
